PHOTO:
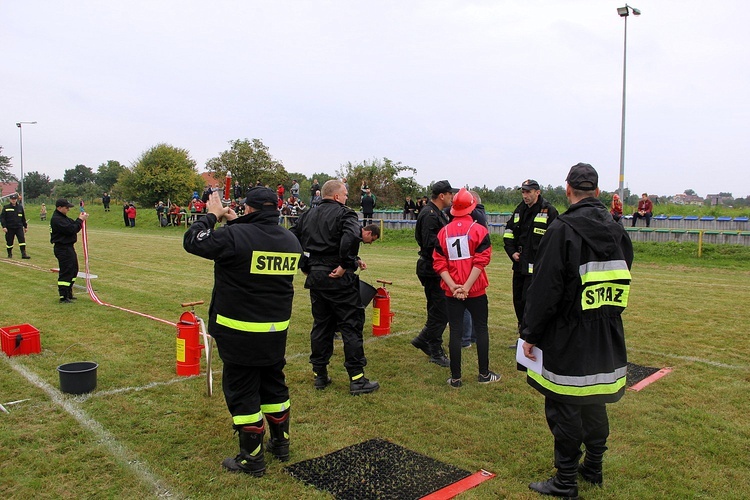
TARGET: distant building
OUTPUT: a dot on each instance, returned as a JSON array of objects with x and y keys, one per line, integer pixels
[
  {"x": 687, "y": 199},
  {"x": 719, "y": 199},
  {"x": 9, "y": 188}
]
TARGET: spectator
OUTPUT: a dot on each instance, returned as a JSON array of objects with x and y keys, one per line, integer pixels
[
  {"x": 616, "y": 208},
  {"x": 106, "y": 199},
  {"x": 175, "y": 215},
  {"x": 125, "y": 207},
  {"x": 43, "y": 212},
  {"x": 364, "y": 188},
  {"x": 131, "y": 214},
  {"x": 160, "y": 209},
  {"x": 280, "y": 192},
  {"x": 295, "y": 189},
  {"x": 410, "y": 209},
  {"x": 316, "y": 199},
  {"x": 237, "y": 193},
  {"x": 314, "y": 188},
  {"x": 368, "y": 206},
  {"x": 645, "y": 210}
]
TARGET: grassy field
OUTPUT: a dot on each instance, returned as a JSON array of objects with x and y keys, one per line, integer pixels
[{"x": 145, "y": 432}]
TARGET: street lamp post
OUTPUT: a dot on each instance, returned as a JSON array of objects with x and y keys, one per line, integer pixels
[
  {"x": 20, "y": 133},
  {"x": 624, "y": 12}
]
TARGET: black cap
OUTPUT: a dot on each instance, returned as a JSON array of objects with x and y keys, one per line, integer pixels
[
  {"x": 441, "y": 187},
  {"x": 530, "y": 184},
  {"x": 62, "y": 202},
  {"x": 583, "y": 177},
  {"x": 261, "y": 198}
]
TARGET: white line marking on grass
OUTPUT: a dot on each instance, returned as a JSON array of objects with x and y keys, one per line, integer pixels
[
  {"x": 117, "y": 450},
  {"x": 691, "y": 358}
]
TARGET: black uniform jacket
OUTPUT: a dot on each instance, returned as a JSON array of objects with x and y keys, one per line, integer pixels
[
  {"x": 255, "y": 261},
  {"x": 63, "y": 229},
  {"x": 13, "y": 216},
  {"x": 524, "y": 232},
  {"x": 330, "y": 235},
  {"x": 573, "y": 314},
  {"x": 429, "y": 223}
]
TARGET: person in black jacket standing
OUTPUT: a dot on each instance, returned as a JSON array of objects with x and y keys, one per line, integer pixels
[
  {"x": 330, "y": 235},
  {"x": 430, "y": 221},
  {"x": 521, "y": 239},
  {"x": 573, "y": 314},
  {"x": 64, "y": 234},
  {"x": 251, "y": 306},
  {"x": 13, "y": 222}
]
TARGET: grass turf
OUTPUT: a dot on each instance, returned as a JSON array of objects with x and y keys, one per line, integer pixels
[{"x": 145, "y": 432}]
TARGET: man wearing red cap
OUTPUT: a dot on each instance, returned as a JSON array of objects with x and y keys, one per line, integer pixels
[{"x": 462, "y": 253}]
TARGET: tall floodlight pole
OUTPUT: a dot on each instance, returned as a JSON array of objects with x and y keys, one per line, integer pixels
[
  {"x": 624, "y": 12},
  {"x": 20, "y": 133}
]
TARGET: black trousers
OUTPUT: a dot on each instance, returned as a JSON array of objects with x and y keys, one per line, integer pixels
[
  {"x": 366, "y": 219},
  {"x": 521, "y": 283},
  {"x": 477, "y": 307},
  {"x": 573, "y": 425},
  {"x": 437, "y": 315},
  {"x": 247, "y": 388},
  {"x": 333, "y": 310},
  {"x": 67, "y": 260},
  {"x": 15, "y": 232}
]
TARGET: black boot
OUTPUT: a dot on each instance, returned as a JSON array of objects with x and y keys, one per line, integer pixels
[
  {"x": 250, "y": 460},
  {"x": 438, "y": 356},
  {"x": 10, "y": 253},
  {"x": 70, "y": 293},
  {"x": 421, "y": 345},
  {"x": 63, "y": 293},
  {"x": 24, "y": 255},
  {"x": 322, "y": 380},
  {"x": 360, "y": 385},
  {"x": 591, "y": 468},
  {"x": 564, "y": 485},
  {"x": 278, "y": 427}
]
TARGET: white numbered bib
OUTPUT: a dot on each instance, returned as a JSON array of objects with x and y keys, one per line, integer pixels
[{"x": 458, "y": 247}]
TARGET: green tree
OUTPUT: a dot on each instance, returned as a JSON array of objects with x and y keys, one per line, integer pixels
[
  {"x": 80, "y": 174},
  {"x": 5, "y": 175},
  {"x": 249, "y": 161},
  {"x": 36, "y": 184},
  {"x": 162, "y": 173},
  {"x": 108, "y": 173},
  {"x": 690, "y": 192},
  {"x": 382, "y": 177}
]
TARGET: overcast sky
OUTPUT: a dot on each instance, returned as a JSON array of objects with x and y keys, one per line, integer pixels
[{"x": 476, "y": 92}]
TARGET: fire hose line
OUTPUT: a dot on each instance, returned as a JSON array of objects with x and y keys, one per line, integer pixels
[{"x": 90, "y": 288}]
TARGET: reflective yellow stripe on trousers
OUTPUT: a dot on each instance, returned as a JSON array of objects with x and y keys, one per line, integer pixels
[{"x": 251, "y": 326}]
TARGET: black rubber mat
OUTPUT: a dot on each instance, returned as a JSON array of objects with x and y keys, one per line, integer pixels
[
  {"x": 376, "y": 469},
  {"x": 636, "y": 373}
]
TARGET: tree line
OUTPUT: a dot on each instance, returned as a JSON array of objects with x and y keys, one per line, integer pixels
[{"x": 165, "y": 172}]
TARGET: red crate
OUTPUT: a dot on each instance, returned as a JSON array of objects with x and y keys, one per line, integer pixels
[{"x": 20, "y": 339}]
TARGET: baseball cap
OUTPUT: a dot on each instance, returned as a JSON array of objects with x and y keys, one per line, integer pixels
[
  {"x": 582, "y": 176},
  {"x": 530, "y": 184},
  {"x": 62, "y": 202},
  {"x": 261, "y": 198},
  {"x": 441, "y": 187}
]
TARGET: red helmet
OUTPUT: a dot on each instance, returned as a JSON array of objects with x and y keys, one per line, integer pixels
[{"x": 463, "y": 203}]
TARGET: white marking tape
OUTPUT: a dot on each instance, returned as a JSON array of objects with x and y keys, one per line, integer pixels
[
  {"x": 691, "y": 358},
  {"x": 122, "y": 454}
]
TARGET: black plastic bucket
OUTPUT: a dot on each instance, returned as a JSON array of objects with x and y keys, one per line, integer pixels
[
  {"x": 78, "y": 378},
  {"x": 366, "y": 293}
]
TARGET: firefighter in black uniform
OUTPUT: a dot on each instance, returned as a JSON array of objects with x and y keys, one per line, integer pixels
[
  {"x": 573, "y": 314},
  {"x": 330, "y": 235},
  {"x": 64, "y": 234},
  {"x": 521, "y": 238},
  {"x": 251, "y": 306},
  {"x": 13, "y": 221},
  {"x": 430, "y": 221}
]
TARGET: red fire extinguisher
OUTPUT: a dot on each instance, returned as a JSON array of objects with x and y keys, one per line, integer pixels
[
  {"x": 188, "y": 345},
  {"x": 382, "y": 317}
]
